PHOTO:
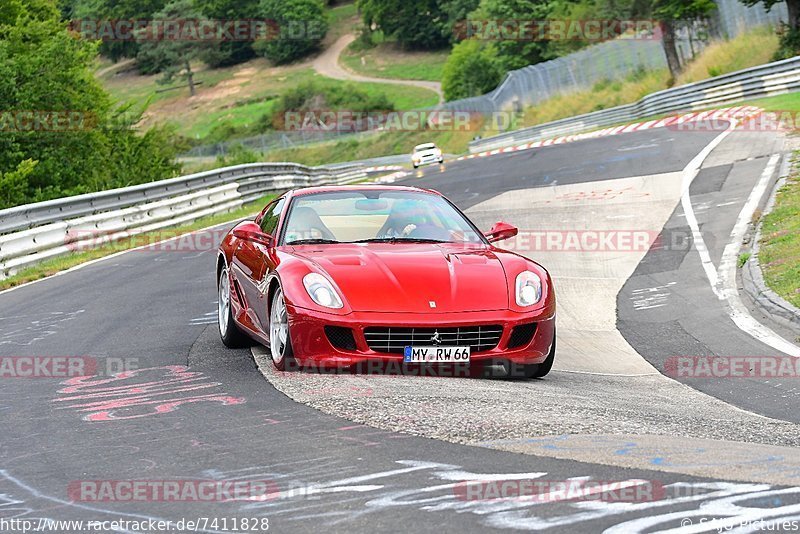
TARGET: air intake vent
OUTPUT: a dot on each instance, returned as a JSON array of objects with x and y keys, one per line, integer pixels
[
  {"x": 521, "y": 335},
  {"x": 341, "y": 337}
]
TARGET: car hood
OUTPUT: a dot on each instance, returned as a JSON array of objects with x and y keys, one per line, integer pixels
[{"x": 394, "y": 277}]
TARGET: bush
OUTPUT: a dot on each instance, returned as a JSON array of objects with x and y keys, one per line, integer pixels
[
  {"x": 44, "y": 68},
  {"x": 237, "y": 155},
  {"x": 302, "y": 24},
  {"x": 471, "y": 69},
  {"x": 317, "y": 96},
  {"x": 789, "y": 43}
]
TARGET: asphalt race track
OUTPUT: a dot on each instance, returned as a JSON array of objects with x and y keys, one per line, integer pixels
[{"x": 387, "y": 453}]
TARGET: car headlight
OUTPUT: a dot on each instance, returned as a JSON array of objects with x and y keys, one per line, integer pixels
[
  {"x": 528, "y": 288},
  {"x": 321, "y": 291}
]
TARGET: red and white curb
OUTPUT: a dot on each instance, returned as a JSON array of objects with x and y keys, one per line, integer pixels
[
  {"x": 390, "y": 178},
  {"x": 739, "y": 112},
  {"x": 385, "y": 168}
]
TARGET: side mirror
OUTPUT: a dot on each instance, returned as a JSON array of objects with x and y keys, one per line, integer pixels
[
  {"x": 251, "y": 232},
  {"x": 501, "y": 231}
]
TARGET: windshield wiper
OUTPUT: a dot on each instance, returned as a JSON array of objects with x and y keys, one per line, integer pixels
[
  {"x": 315, "y": 241},
  {"x": 399, "y": 240}
]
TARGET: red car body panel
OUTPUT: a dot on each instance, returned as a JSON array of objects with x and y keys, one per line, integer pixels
[{"x": 384, "y": 284}]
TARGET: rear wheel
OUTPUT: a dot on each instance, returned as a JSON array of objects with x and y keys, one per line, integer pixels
[
  {"x": 230, "y": 334},
  {"x": 280, "y": 344}
]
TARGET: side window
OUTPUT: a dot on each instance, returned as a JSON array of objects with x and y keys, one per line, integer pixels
[{"x": 270, "y": 220}]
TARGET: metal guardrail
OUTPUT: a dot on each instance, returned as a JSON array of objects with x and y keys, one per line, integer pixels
[
  {"x": 29, "y": 215},
  {"x": 32, "y": 233},
  {"x": 764, "y": 80}
]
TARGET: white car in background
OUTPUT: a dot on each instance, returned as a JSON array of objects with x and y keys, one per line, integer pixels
[{"x": 425, "y": 154}]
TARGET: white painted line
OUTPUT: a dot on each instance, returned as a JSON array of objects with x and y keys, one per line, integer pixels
[
  {"x": 726, "y": 277},
  {"x": 605, "y": 374},
  {"x": 723, "y": 281}
]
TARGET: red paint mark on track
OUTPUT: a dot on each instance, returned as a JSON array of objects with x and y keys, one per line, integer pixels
[{"x": 139, "y": 393}]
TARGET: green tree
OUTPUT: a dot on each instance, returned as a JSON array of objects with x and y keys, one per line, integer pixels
[
  {"x": 594, "y": 10},
  {"x": 455, "y": 12},
  {"x": 111, "y": 10},
  {"x": 173, "y": 57},
  {"x": 669, "y": 13},
  {"x": 790, "y": 34},
  {"x": 302, "y": 24},
  {"x": 515, "y": 54},
  {"x": 44, "y": 68},
  {"x": 792, "y": 7},
  {"x": 14, "y": 184},
  {"x": 229, "y": 52},
  {"x": 472, "y": 69},
  {"x": 421, "y": 24}
]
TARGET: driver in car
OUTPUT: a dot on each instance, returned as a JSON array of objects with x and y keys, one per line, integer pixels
[{"x": 409, "y": 219}]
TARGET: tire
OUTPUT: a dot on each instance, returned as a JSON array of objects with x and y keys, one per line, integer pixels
[
  {"x": 281, "y": 351},
  {"x": 229, "y": 332},
  {"x": 535, "y": 370},
  {"x": 415, "y": 165},
  {"x": 543, "y": 368}
]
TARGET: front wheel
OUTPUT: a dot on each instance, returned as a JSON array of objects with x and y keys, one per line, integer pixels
[
  {"x": 230, "y": 334},
  {"x": 280, "y": 344},
  {"x": 534, "y": 370},
  {"x": 543, "y": 368}
]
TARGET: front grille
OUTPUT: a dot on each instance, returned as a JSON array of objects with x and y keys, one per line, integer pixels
[
  {"x": 340, "y": 337},
  {"x": 521, "y": 335},
  {"x": 393, "y": 340}
]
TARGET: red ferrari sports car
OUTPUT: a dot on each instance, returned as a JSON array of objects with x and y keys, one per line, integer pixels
[{"x": 341, "y": 276}]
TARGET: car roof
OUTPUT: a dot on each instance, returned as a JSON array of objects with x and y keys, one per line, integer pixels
[
  {"x": 425, "y": 145},
  {"x": 334, "y": 188}
]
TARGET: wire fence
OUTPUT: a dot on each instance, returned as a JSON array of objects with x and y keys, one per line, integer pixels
[{"x": 611, "y": 60}]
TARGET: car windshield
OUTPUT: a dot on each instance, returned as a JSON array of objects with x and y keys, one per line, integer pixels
[
  {"x": 376, "y": 216},
  {"x": 420, "y": 148}
]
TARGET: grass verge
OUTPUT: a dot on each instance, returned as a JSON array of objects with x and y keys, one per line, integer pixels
[
  {"x": 62, "y": 263},
  {"x": 779, "y": 254},
  {"x": 747, "y": 50},
  {"x": 375, "y": 145},
  {"x": 387, "y": 61}
]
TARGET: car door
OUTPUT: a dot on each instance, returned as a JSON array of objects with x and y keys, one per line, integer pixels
[{"x": 254, "y": 261}]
